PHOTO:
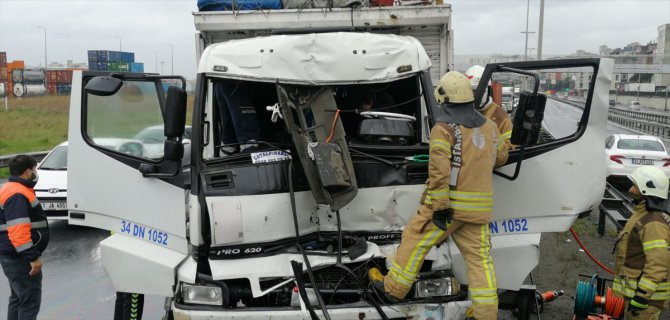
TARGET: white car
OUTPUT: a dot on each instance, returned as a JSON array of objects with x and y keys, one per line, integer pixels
[
  {"x": 635, "y": 105},
  {"x": 153, "y": 139},
  {"x": 627, "y": 152},
  {"x": 51, "y": 188}
]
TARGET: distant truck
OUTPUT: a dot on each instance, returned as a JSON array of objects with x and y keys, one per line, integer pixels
[
  {"x": 508, "y": 98},
  {"x": 288, "y": 230}
]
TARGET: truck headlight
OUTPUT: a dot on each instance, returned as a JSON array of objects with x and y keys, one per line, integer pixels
[
  {"x": 435, "y": 287},
  {"x": 202, "y": 294}
]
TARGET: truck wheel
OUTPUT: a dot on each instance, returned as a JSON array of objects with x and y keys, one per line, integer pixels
[{"x": 524, "y": 304}]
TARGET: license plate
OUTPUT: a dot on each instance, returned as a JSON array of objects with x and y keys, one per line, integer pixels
[
  {"x": 54, "y": 205},
  {"x": 644, "y": 162}
]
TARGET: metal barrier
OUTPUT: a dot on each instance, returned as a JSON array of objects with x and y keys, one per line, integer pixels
[
  {"x": 38, "y": 155},
  {"x": 660, "y": 118},
  {"x": 654, "y": 128}
]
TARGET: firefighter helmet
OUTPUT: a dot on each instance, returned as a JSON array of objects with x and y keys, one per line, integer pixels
[
  {"x": 454, "y": 87},
  {"x": 651, "y": 181},
  {"x": 474, "y": 74}
]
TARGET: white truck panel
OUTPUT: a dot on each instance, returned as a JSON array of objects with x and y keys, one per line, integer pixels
[
  {"x": 430, "y": 24},
  {"x": 341, "y": 57},
  {"x": 138, "y": 266}
]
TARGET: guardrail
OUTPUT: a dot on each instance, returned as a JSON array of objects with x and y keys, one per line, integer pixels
[
  {"x": 38, "y": 155},
  {"x": 660, "y": 118},
  {"x": 651, "y": 123}
]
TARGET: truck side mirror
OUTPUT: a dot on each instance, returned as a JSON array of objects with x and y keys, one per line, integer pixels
[
  {"x": 528, "y": 118},
  {"x": 175, "y": 112},
  {"x": 103, "y": 86}
]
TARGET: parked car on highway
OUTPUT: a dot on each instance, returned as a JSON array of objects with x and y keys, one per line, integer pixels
[
  {"x": 626, "y": 152},
  {"x": 51, "y": 188},
  {"x": 153, "y": 138},
  {"x": 635, "y": 105}
]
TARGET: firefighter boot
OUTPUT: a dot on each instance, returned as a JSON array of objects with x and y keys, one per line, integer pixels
[{"x": 377, "y": 280}]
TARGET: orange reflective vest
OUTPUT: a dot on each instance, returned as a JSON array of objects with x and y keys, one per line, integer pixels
[{"x": 24, "y": 231}]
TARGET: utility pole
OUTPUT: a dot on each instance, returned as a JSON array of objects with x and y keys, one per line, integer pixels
[
  {"x": 119, "y": 42},
  {"x": 45, "y": 46},
  {"x": 525, "y": 51},
  {"x": 540, "y": 31},
  {"x": 531, "y": 51},
  {"x": 171, "y": 58}
]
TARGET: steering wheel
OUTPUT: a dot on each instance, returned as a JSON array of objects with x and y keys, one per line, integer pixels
[{"x": 387, "y": 115}]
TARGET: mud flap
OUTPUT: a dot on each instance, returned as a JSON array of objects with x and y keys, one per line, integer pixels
[{"x": 319, "y": 139}]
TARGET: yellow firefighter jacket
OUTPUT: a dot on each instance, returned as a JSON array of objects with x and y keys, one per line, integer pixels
[
  {"x": 460, "y": 170},
  {"x": 501, "y": 119},
  {"x": 642, "y": 257}
]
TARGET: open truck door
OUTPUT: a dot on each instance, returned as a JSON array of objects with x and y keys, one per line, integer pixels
[{"x": 125, "y": 174}]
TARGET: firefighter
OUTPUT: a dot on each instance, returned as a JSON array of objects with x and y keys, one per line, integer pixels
[
  {"x": 642, "y": 256},
  {"x": 457, "y": 201},
  {"x": 489, "y": 108}
]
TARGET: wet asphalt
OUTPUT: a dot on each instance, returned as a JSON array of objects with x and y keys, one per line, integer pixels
[{"x": 75, "y": 284}]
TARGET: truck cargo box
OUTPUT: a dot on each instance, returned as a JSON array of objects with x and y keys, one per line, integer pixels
[{"x": 429, "y": 24}]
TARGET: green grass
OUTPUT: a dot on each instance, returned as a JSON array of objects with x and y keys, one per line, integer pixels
[
  {"x": 33, "y": 124},
  {"x": 39, "y": 124}
]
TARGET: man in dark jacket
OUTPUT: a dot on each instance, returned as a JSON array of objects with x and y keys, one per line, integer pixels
[{"x": 24, "y": 234}]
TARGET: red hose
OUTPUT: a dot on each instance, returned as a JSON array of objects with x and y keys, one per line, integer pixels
[
  {"x": 574, "y": 234},
  {"x": 614, "y": 305}
]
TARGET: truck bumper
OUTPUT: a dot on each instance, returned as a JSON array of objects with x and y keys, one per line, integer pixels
[{"x": 452, "y": 310}]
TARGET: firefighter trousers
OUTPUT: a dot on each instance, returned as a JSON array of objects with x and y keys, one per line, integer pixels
[
  {"x": 474, "y": 243},
  {"x": 651, "y": 313}
]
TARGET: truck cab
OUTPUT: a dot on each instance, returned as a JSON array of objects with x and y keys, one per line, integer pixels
[{"x": 286, "y": 222}]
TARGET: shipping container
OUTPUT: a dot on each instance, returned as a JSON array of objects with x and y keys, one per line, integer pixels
[
  {"x": 63, "y": 88},
  {"x": 62, "y": 76},
  {"x": 137, "y": 67},
  {"x": 101, "y": 66},
  {"x": 21, "y": 90},
  {"x": 16, "y": 64},
  {"x": 68, "y": 76},
  {"x": 3, "y": 73},
  {"x": 51, "y": 88},
  {"x": 114, "y": 56},
  {"x": 92, "y": 56},
  {"x": 127, "y": 57},
  {"x": 52, "y": 77},
  {"x": 102, "y": 56},
  {"x": 93, "y": 66},
  {"x": 17, "y": 75},
  {"x": 3, "y": 59},
  {"x": 33, "y": 76}
]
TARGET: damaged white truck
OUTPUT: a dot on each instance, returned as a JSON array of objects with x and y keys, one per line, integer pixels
[{"x": 287, "y": 228}]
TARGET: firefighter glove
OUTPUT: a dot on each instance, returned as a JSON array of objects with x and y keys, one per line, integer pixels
[{"x": 442, "y": 218}]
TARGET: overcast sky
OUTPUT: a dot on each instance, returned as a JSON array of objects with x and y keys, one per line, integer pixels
[{"x": 145, "y": 27}]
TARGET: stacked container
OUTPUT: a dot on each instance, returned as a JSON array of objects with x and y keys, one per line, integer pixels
[
  {"x": 28, "y": 81},
  {"x": 118, "y": 61},
  {"x": 3, "y": 75},
  {"x": 59, "y": 81}
]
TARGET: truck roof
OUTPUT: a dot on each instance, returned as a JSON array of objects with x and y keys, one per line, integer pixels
[{"x": 339, "y": 57}]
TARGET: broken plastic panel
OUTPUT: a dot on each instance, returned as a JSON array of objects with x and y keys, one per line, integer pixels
[{"x": 310, "y": 113}]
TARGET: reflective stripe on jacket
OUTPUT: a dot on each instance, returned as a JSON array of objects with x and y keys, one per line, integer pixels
[
  {"x": 24, "y": 231},
  {"x": 498, "y": 115},
  {"x": 643, "y": 258},
  {"x": 460, "y": 170}
]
